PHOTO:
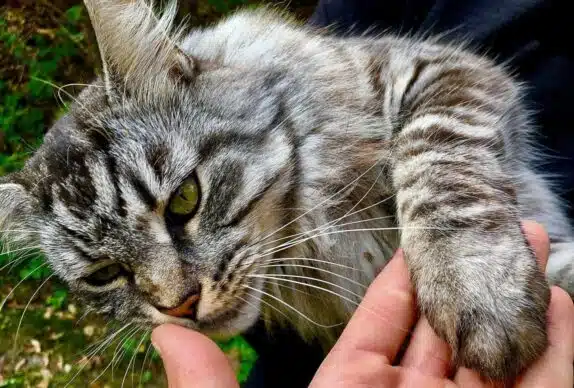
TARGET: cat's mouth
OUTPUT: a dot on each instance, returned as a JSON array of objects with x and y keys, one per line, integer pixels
[{"x": 225, "y": 321}]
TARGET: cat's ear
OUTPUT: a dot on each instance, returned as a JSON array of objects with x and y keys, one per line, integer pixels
[
  {"x": 16, "y": 211},
  {"x": 139, "y": 49}
]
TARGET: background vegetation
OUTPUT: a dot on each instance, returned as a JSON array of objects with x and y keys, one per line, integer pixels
[{"x": 47, "y": 51}]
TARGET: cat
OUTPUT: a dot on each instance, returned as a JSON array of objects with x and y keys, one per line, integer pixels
[{"x": 261, "y": 169}]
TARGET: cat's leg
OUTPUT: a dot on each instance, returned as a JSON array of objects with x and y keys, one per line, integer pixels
[{"x": 476, "y": 279}]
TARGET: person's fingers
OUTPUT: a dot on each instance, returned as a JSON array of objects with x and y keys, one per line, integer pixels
[
  {"x": 555, "y": 369},
  {"x": 376, "y": 331},
  {"x": 385, "y": 316},
  {"x": 413, "y": 378},
  {"x": 538, "y": 240},
  {"x": 427, "y": 352},
  {"x": 191, "y": 359}
]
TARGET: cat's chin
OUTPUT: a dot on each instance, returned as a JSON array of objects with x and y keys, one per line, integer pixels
[{"x": 228, "y": 324}]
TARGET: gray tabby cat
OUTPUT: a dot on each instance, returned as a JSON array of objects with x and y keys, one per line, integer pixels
[{"x": 259, "y": 168}]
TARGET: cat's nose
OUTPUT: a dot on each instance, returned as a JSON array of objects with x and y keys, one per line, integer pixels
[{"x": 185, "y": 310}]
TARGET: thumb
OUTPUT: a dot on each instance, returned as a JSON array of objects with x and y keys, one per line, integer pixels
[{"x": 191, "y": 359}]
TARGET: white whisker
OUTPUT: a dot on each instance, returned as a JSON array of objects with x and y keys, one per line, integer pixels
[
  {"x": 18, "y": 260},
  {"x": 19, "y": 283},
  {"x": 356, "y": 303},
  {"x": 26, "y": 308},
  {"x": 292, "y": 288},
  {"x": 362, "y": 198},
  {"x": 322, "y": 202},
  {"x": 293, "y": 308},
  {"x": 269, "y": 305},
  {"x": 347, "y": 231},
  {"x": 325, "y": 227},
  {"x": 283, "y": 259},
  {"x": 103, "y": 345},
  {"x": 20, "y": 250},
  {"x": 315, "y": 269},
  {"x": 132, "y": 359},
  {"x": 114, "y": 353},
  {"x": 328, "y": 226},
  {"x": 18, "y": 231},
  {"x": 93, "y": 116},
  {"x": 123, "y": 349},
  {"x": 89, "y": 350},
  {"x": 149, "y": 347},
  {"x": 285, "y": 277}
]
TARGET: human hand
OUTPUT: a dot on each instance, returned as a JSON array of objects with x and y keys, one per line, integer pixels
[{"x": 364, "y": 354}]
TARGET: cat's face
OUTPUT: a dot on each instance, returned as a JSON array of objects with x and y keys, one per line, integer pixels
[
  {"x": 140, "y": 207},
  {"x": 154, "y": 207}
]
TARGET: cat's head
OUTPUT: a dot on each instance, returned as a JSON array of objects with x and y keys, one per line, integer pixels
[{"x": 151, "y": 196}]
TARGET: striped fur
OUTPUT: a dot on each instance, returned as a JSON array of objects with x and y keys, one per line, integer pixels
[{"x": 335, "y": 150}]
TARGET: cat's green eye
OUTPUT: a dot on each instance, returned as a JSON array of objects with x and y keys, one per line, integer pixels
[
  {"x": 106, "y": 275},
  {"x": 185, "y": 200}
]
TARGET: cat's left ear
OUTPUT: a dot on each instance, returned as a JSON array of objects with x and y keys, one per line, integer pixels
[{"x": 139, "y": 49}]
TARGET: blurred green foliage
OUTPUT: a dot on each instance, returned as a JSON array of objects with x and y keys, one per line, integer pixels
[
  {"x": 238, "y": 349},
  {"x": 28, "y": 104},
  {"x": 225, "y": 6}
]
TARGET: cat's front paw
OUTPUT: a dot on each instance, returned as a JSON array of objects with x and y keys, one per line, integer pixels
[{"x": 493, "y": 318}]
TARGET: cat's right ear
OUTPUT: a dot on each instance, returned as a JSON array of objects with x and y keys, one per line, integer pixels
[
  {"x": 139, "y": 50},
  {"x": 16, "y": 211}
]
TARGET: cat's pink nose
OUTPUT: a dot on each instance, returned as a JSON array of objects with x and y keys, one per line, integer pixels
[{"x": 187, "y": 309}]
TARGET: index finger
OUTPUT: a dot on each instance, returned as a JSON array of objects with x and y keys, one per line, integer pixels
[
  {"x": 192, "y": 359},
  {"x": 384, "y": 318}
]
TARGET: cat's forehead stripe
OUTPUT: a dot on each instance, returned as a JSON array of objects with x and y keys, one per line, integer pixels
[
  {"x": 218, "y": 142},
  {"x": 143, "y": 191},
  {"x": 157, "y": 158},
  {"x": 119, "y": 203}
]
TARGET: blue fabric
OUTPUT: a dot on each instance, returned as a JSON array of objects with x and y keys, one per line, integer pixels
[{"x": 535, "y": 36}]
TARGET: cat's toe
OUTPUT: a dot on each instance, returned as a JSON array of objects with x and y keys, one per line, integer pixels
[
  {"x": 500, "y": 348},
  {"x": 498, "y": 336}
]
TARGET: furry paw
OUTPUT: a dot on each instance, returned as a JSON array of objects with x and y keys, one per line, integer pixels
[{"x": 495, "y": 318}]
